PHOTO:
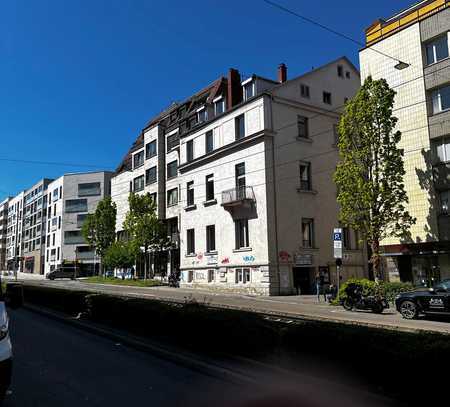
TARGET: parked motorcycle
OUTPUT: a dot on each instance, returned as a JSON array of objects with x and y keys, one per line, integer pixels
[{"x": 357, "y": 300}]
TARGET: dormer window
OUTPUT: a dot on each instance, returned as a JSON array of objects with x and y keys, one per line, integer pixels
[
  {"x": 202, "y": 114},
  {"x": 219, "y": 105},
  {"x": 249, "y": 89}
]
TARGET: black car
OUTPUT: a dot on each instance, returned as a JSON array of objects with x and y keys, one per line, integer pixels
[
  {"x": 434, "y": 300},
  {"x": 62, "y": 272}
]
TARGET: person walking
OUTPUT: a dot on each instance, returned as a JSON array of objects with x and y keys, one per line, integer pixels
[{"x": 318, "y": 286}]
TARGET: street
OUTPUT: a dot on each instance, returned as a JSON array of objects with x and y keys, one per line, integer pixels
[
  {"x": 303, "y": 306},
  {"x": 58, "y": 365}
]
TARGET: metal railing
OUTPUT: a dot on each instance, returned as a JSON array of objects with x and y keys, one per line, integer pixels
[{"x": 238, "y": 194}]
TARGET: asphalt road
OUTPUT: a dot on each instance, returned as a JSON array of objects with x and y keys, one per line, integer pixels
[
  {"x": 305, "y": 306},
  {"x": 59, "y": 365}
]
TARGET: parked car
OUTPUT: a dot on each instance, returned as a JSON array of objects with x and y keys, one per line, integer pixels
[
  {"x": 15, "y": 299},
  {"x": 435, "y": 300},
  {"x": 62, "y": 272}
]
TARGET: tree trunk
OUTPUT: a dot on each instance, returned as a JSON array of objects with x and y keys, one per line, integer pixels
[
  {"x": 145, "y": 265},
  {"x": 376, "y": 261}
]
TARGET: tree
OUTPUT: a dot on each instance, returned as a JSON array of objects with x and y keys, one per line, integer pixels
[
  {"x": 120, "y": 255},
  {"x": 99, "y": 228},
  {"x": 369, "y": 177},
  {"x": 143, "y": 227}
]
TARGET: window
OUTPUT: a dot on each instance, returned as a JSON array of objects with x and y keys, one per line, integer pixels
[
  {"x": 347, "y": 75},
  {"x": 441, "y": 99},
  {"x": 48, "y": 241},
  {"x": 210, "y": 238},
  {"x": 304, "y": 91},
  {"x": 305, "y": 176},
  {"x": 340, "y": 71},
  {"x": 55, "y": 194},
  {"x": 241, "y": 231},
  {"x": 308, "y": 233},
  {"x": 327, "y": 98},
  {"x": 59, "y": 222},
  {"x": 190, "y": 150},
  {"x": 54, "y": 223},
  {"x": 242, "y": 276},
  {"x": 76, "y": 205},
  {"x": 60, "y": 192},
  {"x": 138, "y": 183},
  {"x": 138, "y": 159},
  {"x": 444, "y": 197},
  {"x": 73, "y": 237},
  {"x": 153, "y": 196},
  {"x": 150, "y": 149},
  {"x": 210, "y": 276},
  {"x": 249, "y": 90},
  {"x": 89, "y": 189},
  {"x": 442, "y": 150},
  {"x": 172, "y": 168},
  {"x": 57, "y": 256},
  {"x": 240, "y": 180},
  {"x": 53, "y": 239},
  {"x": 54, "y": 210},
  {"x": 173, "y": 141},
  {"x": 81, "y": 219},
  {"x": 190, "y": 193},
  {"x": 150, "y": 175},
  {"x": 219, "y": 106},
  {"x": 302, "y": 126},
  {"x": 209, "y": 187},
  {"x": 202, "y": 115},
  {"x": 346, "y": 244},
  {"x": 172, "y": 197},
  {"x": 239, "y": 123},
  {"x": 190, "y": 277},
  {"x": 190, "y": 238},
  {"x": 437, "y": 49},
  {"x": 209, "y": 140}
]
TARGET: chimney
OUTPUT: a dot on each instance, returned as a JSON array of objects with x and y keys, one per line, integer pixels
[
  {"x": 282, "y": 73},
  {"x": 234, "y": 88}
]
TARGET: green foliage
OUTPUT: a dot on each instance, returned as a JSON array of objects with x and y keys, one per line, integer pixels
[
  {"x": 145, "y": 230},
  {"x": 387, "y": 290},
  {"x": 127, "y": 282},
  {"x": 369, "y": 177},
  {"x": 99, "y": 228},
  {"x": 120, "y": 255}
]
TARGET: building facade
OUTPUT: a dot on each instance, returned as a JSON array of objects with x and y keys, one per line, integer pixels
[
  {"x": 243, "y": 173},
  {"x": 3, "y": 232},
  {"x": 34, "y": 227},
  {"x": 70, "y": 198},
  {"x": 418, "y": 38},
  {"x": 14, "y": 242}
]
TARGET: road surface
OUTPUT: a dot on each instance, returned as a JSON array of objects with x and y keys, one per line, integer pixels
[
  {"x": 59, "y": 365},
  {"x": 305, "y": 306}
]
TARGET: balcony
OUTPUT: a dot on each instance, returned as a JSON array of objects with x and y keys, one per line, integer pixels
[{"x": 238, "y": 196}]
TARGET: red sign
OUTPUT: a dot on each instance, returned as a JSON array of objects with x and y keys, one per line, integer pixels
[{"x": 284, "y": 256}]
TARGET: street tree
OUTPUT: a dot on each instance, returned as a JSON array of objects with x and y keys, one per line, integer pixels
[
  {"x": 145, "y": 230},
  {"x": 369, "y": 176},
  {"x": 120, "y": 255},
  {"x": 99, "y": 228}
]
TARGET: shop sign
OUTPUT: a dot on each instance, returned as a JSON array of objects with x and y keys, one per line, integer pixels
[{"x": 303, "y": 260}]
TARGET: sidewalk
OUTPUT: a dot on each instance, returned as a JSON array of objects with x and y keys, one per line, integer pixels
[{"x": 23, "y": 276}]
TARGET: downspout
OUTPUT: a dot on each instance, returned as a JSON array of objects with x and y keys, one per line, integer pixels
[{"x": 275, "y": 205}]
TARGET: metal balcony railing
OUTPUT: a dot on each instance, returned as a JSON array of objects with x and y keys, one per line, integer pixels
[{"x": 238, "y": 196}]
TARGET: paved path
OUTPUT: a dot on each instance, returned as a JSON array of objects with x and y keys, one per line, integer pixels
[{"x": 300, "y": 306}]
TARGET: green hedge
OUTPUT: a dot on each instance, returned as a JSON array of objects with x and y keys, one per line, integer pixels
[{"x": 386, "y": 289}]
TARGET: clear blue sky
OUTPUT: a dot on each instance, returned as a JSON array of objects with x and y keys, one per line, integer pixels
[{"x": 79, "y": 79}]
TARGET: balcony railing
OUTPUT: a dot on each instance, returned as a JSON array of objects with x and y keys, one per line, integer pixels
[{"x": 238, "y": 196}]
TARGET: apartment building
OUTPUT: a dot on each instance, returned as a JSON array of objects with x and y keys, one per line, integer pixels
[
  {"x": 14, "y": 242},
  {"x": 70, "y": 199},
  {"x": 244, "y": 169},
  {"x": 34, "y": 225},
  {"x": 418, "y": 40},
  {"x": 3, "y": 232}
]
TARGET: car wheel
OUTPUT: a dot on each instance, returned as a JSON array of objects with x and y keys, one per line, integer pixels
[
  {"x": 409, "y": 310},
  {"x": 347, "y": 304},
  {"x": 378, "y": 309}
]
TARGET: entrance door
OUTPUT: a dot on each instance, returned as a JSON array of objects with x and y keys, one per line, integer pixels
[{"x": 302, "y": 280}]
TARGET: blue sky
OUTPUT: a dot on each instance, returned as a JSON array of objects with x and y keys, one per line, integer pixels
[{"x": 79, "y": 79}]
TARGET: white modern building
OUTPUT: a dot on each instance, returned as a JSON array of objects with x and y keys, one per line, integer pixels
[
  {"x": 14, "y": 242},
  {"x": 34, "y": 222},
  {"x": 3, "y": 231},
  {"x": 243, "y": 171},
  {"x": 411, "y": 51},
  {"x": 70, "y": 199}
]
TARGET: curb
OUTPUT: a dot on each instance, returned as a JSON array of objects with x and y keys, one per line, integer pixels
[{"x": 173, "y": 355}]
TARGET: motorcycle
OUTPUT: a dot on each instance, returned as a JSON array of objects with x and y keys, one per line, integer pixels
[
  {"x": 174, "y": 280},
  {"x": 357, "y": 300}
]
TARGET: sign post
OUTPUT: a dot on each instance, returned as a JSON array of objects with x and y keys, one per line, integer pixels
[{"x": 337, "y": 251}]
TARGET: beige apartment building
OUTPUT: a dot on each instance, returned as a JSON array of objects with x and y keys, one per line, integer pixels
[
  {"x": 411, "y": 51},
  {"x": 242, "y": 173}
]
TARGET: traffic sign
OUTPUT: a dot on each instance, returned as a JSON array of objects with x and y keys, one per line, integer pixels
[{"x": 337, "y": 243}]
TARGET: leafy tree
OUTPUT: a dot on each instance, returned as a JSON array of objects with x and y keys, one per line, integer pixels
[
  {"x": 120, "y": 255},
  {"x": 142, "y": 225},
  {"x": 99, "y": 228},
  {"x": 369, "y": 177}
]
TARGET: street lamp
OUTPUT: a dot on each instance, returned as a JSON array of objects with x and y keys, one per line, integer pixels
[{"x": 401, "y": 66}]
